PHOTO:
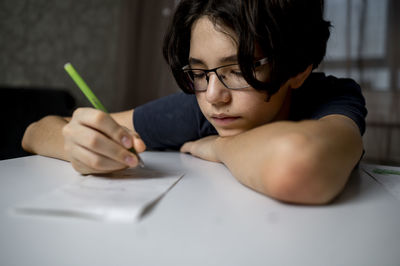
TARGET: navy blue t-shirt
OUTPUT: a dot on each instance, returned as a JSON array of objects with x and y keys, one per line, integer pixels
[{"x": 169, "y": 122}]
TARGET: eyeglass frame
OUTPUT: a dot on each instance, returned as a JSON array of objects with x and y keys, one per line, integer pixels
[{"x": 187, "y": 68}]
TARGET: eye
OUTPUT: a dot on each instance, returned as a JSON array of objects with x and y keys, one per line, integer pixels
[
  {"x": 197, "y": 74},
  {"x": 236, "y": 73}
]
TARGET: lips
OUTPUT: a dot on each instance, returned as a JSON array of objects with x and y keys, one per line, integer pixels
[{"x": 224, "y": 120}]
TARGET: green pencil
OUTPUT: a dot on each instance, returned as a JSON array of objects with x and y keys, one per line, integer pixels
[
  {"x": 91, "y": 97},
  {"x": 385, "y": 171}
]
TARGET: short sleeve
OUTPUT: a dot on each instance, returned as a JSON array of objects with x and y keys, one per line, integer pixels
[
  {"x": 169, "y": 122},
  {"x": 321, "y": 96}
]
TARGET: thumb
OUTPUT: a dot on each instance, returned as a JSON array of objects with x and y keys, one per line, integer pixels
[{"x": 138, "y": 143}]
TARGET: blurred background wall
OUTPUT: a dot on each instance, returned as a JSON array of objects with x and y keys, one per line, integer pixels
[
  {"x": 116, "y": 46},
  {"x": 38, "y": 37}
]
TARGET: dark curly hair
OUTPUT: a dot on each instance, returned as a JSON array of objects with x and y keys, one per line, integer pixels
[{"x": 292, "y": 34}]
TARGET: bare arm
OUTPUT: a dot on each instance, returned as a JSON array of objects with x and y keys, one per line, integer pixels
[
  {"x": 45, "y": 137},
  {"x": 300, "y": 162},
  {"x": 93, "y": 141}
]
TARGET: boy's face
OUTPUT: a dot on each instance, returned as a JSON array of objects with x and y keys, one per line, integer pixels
[{"x": 231, "y": 111}]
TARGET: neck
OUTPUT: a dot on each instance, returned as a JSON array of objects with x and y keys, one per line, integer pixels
[{"x": 284, "y": 112}]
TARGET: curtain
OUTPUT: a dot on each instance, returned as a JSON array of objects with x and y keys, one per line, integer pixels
[{"x": 143, "y": 74}]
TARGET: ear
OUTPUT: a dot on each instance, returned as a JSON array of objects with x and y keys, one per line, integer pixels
[{"x": 298, "y": 80}]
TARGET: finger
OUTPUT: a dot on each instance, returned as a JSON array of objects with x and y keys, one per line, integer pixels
[
  {"x": 186, "y": 148},
  {"x": 85, "y": 162},
  {"x": 139, "y": 144},
  {"x": 96, "y": 142},
  {"x": 104, "y": 123},
  {"x": 137, "y": 141},
  {"x": 82, "y": 168}
]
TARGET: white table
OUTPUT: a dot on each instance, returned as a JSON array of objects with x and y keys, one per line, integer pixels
[{"x": 208, "y": 218}]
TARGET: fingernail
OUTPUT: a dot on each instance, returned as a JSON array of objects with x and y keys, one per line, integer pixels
[
  {"x": 130, "y": 160},
  {"x": 126, "y": 142}
]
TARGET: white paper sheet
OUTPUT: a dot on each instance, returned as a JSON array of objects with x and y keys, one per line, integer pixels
[
  {"x": 119, "y": 197},
  {"x": 390, "y": 181}
]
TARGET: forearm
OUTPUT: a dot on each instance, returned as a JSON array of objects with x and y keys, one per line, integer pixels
[
  {"x": 302, "y": 162},
  {"x": 45, "y": 137}
]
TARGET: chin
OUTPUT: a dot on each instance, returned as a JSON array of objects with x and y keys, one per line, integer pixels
[{"x": 222, "y": 132}]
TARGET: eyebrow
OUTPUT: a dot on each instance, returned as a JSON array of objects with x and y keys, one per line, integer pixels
[{"x": 223, "y": 60}]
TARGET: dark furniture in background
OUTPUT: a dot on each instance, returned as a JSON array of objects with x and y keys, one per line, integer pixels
[{"x": 21, "y": 106}]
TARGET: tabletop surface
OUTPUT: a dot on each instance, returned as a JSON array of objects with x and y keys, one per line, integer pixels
[{"x": 207, "y": 218}]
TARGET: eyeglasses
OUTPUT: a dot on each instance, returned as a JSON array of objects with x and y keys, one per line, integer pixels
[{"x": 229, "y": 75}]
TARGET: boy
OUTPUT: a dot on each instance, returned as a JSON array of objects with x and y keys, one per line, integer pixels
[{"x": 251, "y": 103}]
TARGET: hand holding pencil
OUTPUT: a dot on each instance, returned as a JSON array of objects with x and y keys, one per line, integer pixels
[{"x": 95, "y": 142}]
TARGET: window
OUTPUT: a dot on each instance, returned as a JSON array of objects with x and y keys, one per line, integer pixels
[{"x": 362, "y": 43}]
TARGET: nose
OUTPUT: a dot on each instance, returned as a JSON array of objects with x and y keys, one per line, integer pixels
[{"x": 216, "y": 92}]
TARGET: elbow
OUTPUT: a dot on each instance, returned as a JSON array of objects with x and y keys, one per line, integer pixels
[
  {"x": 297, "y": 184},
  {"x": 298, "y": 176}
]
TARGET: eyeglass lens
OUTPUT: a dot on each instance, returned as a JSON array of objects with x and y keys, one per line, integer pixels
[{"x": 230, "y": 76}]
